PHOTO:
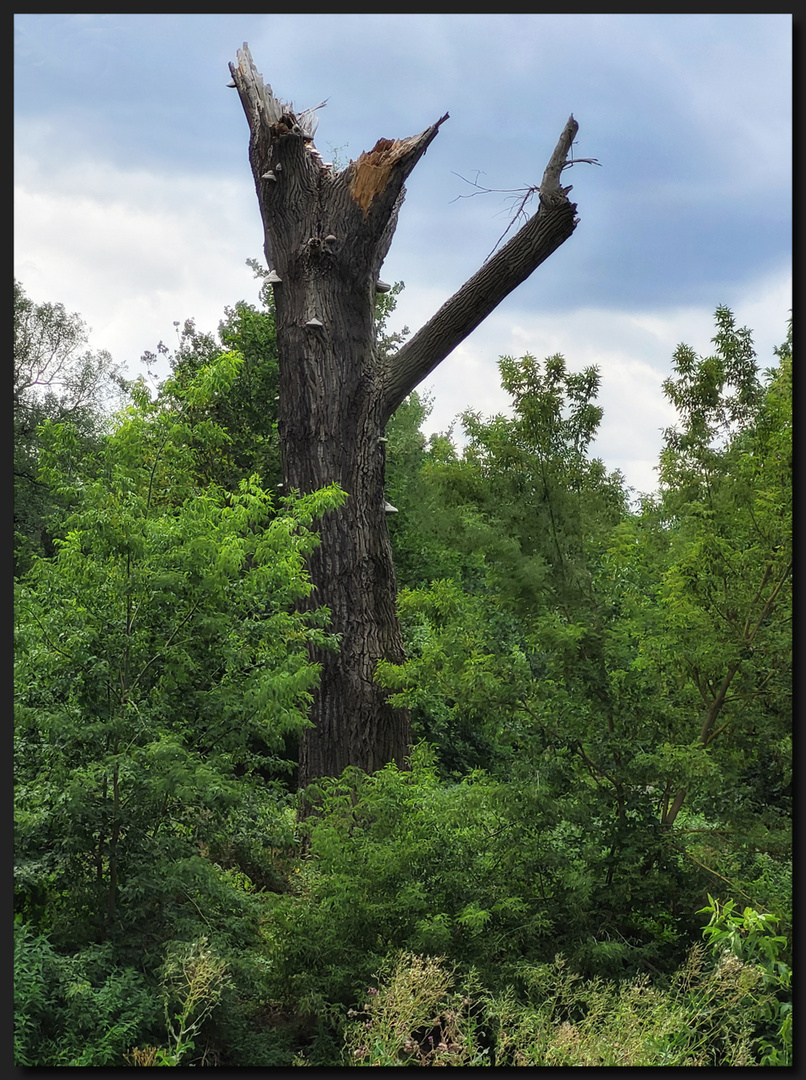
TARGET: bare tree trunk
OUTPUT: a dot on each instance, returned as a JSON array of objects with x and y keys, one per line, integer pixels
[{"x": 327, "y": 233}]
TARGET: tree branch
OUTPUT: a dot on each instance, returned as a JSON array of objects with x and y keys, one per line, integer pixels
[
  {"x": 668, "y": 817},
  {"x": 539, "y": 238},
  {"x": 749, "y": 635}
]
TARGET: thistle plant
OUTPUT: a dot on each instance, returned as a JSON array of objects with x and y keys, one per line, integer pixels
[
  {"x": 412, "y": 1019},
  {"x": 194, "y": 977}
]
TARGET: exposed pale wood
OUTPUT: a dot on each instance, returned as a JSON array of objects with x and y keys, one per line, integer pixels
[{"x": 550, "y": 186}]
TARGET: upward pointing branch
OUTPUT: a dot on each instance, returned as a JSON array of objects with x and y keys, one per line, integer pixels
[
  {"x": 550, "y": 188},
  {"x": 540, "y": 237}
]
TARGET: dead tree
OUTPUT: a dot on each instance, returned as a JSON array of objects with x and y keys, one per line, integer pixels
[{"x": 327, "y": 232}]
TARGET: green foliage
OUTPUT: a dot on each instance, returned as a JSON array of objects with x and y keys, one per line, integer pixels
[
  {"x": 421, "y": 531},
  {"x": 511, "y": 661},
  {"x": 721, "y": 643},
  {"x": 715, "y": 397},
  {"x": 461, "y": 680},
  {"x": 159, "y": 669},
  {"x": 654, "y": 647},
  {"x": 80, "y": 1010},
  {"x": 57, "y": 380},
  {"x": 751, "y": 939},
  {"x": 523, "y": 511},
  {"x": 400, "y": 860},
  {"x": 602, "y": 696},
  {"x": 245, "y": 409}
]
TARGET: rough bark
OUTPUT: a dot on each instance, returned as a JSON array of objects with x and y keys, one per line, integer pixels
[{"x": 327, "y": 233}]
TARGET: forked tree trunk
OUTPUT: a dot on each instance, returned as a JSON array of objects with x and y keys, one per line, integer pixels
[{"x": 327, "y": 233}]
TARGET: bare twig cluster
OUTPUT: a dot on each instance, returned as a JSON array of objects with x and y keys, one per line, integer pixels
[{"x": 520, "y": 197}]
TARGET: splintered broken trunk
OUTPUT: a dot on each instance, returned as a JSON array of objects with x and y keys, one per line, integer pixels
[{"x": 327, "y": 233}]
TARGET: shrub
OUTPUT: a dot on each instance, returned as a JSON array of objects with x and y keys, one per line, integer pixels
[
  {"x": 76, "y": 1010},
  {"x": 750, "y": 940}
]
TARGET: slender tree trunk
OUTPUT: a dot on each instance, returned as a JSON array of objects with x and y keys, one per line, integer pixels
[
  {"x": 327, "y": 233},
  {"x": 114, "y": 838}
]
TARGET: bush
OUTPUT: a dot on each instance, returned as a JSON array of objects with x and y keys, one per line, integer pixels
[
  {"x": 749, "y": 940},
  {"x": 401, "y": 861},
  {"x": 76, "y": 1010}
]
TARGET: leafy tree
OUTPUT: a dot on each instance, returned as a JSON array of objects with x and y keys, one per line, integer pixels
[
  {"x": 507, "y": 666},
  {"x": 159, "y": 665},
  {"x": 57, "y": 379},
  {"x": 529, "y": 512},
  {"x": 614, "y": 617},
  {"x": 725, "y": 599},
  {"x": 247, "y": 411}
]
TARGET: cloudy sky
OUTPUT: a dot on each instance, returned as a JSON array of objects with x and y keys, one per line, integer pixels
[{"x": 135, "y": 206}]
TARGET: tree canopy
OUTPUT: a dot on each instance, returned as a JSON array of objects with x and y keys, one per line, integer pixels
[{"x": 587, "y": 858}]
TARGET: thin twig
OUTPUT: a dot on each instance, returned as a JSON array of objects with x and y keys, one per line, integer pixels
[{"x": 526, "y": 193}]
